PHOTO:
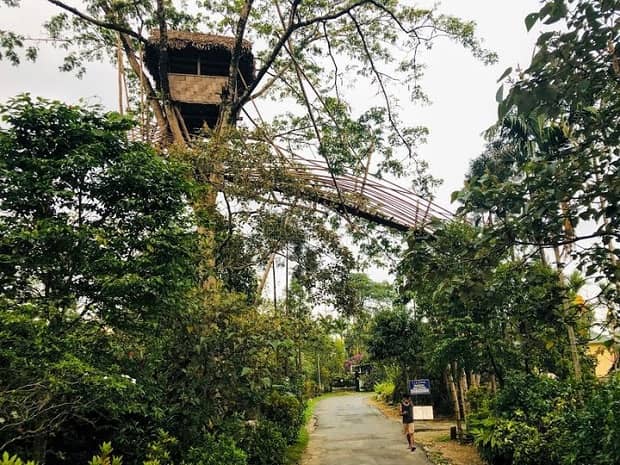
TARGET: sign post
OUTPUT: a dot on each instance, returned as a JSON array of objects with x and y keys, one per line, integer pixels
[
  {"x": 419, "y": 387},
  {"x": 422, "y": 407}
]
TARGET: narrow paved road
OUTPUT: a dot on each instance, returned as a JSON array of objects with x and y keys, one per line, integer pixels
[{"x": 352, "y": 432}]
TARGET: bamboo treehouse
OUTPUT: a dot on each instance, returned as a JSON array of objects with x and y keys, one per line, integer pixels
[
  {"x": 198, "y": 69},
  {"x": 198, "y": 73}
]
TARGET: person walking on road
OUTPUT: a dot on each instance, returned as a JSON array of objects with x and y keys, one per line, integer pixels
[{"x": 406, "y": 410}]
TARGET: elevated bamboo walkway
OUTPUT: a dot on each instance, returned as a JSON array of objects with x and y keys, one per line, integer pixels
[{"x": 374, "y": 199}]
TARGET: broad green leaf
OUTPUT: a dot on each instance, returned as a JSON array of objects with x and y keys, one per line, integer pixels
[
  {"x": 544, "y": 37},
  {"x": 506, "y": 72},
  {"x": 454, "y": 196},
  {"x": 530, "y": 20},
  {"x": 499, "y": 95}
]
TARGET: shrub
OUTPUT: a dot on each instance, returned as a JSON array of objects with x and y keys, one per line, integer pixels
[
  {"x": 264, "y": 444},
  {"x": 589, "y": 430},
  {"x": 504, "y": 442},
  {"x": 511, "y": 427},
  {"x": 384, "y": 390},
  {"x": 286, "y": 412},
  {"x": 311, "y": 389},
  {"x": 215, "y": 450},
  {"x": 7, "y": 459},
  {"x": 535, "y": 420},
  {"x": 105, "y": 456}
]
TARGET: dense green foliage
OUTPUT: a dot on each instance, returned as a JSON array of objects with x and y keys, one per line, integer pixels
[
  {"x": 396, "y": 339},
  {"x": 215, "y": 451},
  {"x": 385, "y": 391},
  {"x": 285, "y": 411},
  {"x": 549, "y": 176},
  {"x": 540, "y": 420},
  {"x": 502, "y": 314},
  {"x": 508, "y": 312},
  {"x": 130, "y": 311},
  {"x": 96, "y": 254},
  {"x": 106, "y": 335},
  {"x": 264, "y": 444}
]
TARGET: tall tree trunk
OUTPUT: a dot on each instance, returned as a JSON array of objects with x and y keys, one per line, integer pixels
[
  {"x": 463, "y": 388},
  {"x": 275, "y": 289},
  {"x": 497, "y": 374},
  {"x": 474, "y": 380},
  {"x": 455, "y": 401},
  {"x": 229, "y": 108}
]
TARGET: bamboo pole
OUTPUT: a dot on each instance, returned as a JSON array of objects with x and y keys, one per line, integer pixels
[
  {"x": 120, "y": 72},
  {"x": 263, "y": 279},
  {"x": 572, "y": 340},
  {"x": 275, "y": 292},
  {"x": 286, "y": 283}
]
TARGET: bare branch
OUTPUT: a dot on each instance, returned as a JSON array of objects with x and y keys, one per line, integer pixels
[
  {"x": 104, "y": 24},
  {"x": 381, "y": 85},
  {"x": 570, "y": 240},
  {"x": 272, "y": 80},
  {"x": 331, "y": 55},
  {"x": 286, "y": 36}
]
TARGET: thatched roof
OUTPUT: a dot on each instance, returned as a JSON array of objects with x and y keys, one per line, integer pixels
[
  {"x": 182, "y": 43},
  {"x": 179, "y": 40}
]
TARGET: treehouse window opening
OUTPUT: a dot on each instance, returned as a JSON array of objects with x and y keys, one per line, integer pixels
[
  {"x": 184, "y": 63},
  {"x": 217, "y": 63}
]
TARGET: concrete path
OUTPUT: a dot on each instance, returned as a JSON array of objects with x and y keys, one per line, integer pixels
[{"x": 352, "y": 432}]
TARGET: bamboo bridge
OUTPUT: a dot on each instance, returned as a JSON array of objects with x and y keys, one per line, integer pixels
[{"x": 369, "y": 197}]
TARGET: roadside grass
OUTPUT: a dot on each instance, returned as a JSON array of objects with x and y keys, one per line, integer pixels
[
  {"x": 295, "y": 451},
  {"x": 437, "y": 458},
  {"x": 444, "y": 438}
]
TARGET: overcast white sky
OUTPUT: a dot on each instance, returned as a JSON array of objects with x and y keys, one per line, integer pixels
[{"x": 463, "y": 90}]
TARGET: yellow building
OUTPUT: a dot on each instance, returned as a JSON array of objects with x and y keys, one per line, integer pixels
[{"x": 606, "y": 357}]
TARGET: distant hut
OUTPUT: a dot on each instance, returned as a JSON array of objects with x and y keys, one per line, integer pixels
[{"x": 198, "y": 72}]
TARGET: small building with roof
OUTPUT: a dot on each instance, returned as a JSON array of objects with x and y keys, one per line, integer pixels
[{"x": 198, "y": 72}]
